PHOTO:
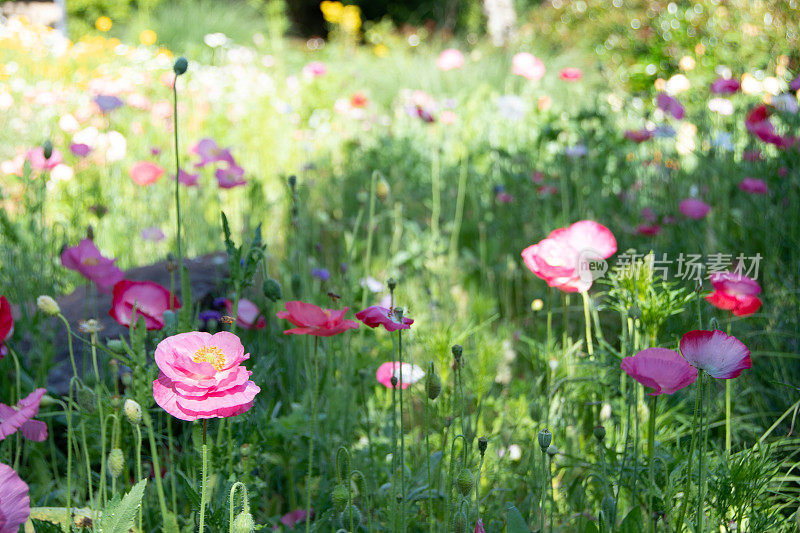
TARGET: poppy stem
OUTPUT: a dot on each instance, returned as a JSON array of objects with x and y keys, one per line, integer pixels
[
  {"x": 139, "y": 475},
  {"x": 311, "y": 436},
  {"x": 543, "y": 507},
  {"x": 428, "y": 462},
  {"x": 177, "y": 182},
  {"x": 203, "y": 476},
  {"x": 402, "y": 437},
  {"x": 728, "y": 387},
  {"x": 162, "y": 501},
  {"x": 587, "y": 318},
  {"x": 651, "y": 445},
  {"x": 688, "y": 484},
  {"x": 704, "y": 429}
]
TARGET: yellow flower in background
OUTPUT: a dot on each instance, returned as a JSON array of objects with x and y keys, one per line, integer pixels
[
  {"x": 148, "y": 37},
  {"x": 331, "y": 11},
  {"x": 103, "y": 24},
  {"x": 381, "y": 50},
  {"x": 351, "y": 19}
]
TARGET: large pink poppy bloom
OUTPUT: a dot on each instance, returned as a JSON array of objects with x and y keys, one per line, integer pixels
[
  {"x": 313, "y": 320},
  {"x": 210, "y": 152},
  {"x": 149, "y": 299},
  {"x": 145, "y": 173},
  {"x": 735, "y": 292},
  {"x": 671, "y": 105},
  {"x": 527, "y": 65},
  {"x": 375, "y": 316},
  {"x": 248, "y": 315},
  {"x": 753, "y": 186},
  {"x": 201, "y": 376},
  {"x": 450, "y": 59},
  {"x": 6, "y": 324},
  {"x": 20, "y": 417},
  {"x": 557, "y": 259},
  {"x": 722, "y": 356},
  {"x": 694, "y": 208},
  {"x": 663, "y": 370},
  {"x": 38, "y": 162},
  {"x": 570, "y": 74},
  {"x": 411, "y": 374},
  {"x": 725, "y": 86},
  {"x": 87, "y": 259},
  {"x": 15, "y": 505}
]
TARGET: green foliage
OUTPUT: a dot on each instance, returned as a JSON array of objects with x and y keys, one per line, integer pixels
[{"x": 118, "y": 515}]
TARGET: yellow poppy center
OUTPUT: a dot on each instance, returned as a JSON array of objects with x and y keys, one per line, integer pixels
[
  {"x": 211, "y": 355},
  {"x": 91, "y": 261}
]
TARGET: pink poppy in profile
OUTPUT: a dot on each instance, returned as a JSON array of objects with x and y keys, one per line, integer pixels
[
  {"x": 315, "y": 69},
  {"x": 754, "y": 186},
  {"x": 450, "y": 59},
  {"x": 210, "y": 152},
  {"x": 671, "y": 105},
  {"x": 6, "y": 325},
  {"x": 310, "y": 319},
  {"x": 153, "y": 234},
  {"x": 725, "y": 86},
  {"x": 375, "y": 316},
  {"x": 201, "y": 376},
  {"x": 570, "y": 74},
  {"x": 722, "y": 356},
  {"x": 558, "y": 258},
  {"x": 479, "y": 526},
  {"x": 248, "y": 315},
  {"x": 694, "y": 208},
  {"x": 528, "y": 66},
  {"x": 15, "y": 505},
  {"x": 736, "y": 293},
  {"x": 149, "y": 299},
  {"x": 639, "y": 136},
  {"x": 80, "y": 149},
  {"x": 145, "y": 173},
  {"x": 20, "y": 417},
  {"x": 411, "y": 374},
  {"x": 660, "y": 369},
  {"x": 38, "y": 162},
  {"x": 190, "y": 180},
  {"x": 292, "y": 518},
  {"x": 230, "y": 177},
  {"x": 649, "y": 230},
  {"x": 87, "y": 259}
]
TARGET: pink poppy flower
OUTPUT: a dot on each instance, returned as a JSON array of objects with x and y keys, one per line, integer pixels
[
  {"x": 315, "y": 69},
  {"x": 754, "y": 186},
  {"x": 557, "y": 258},
  {"x": 87, "y": 259},
  {"x": 6, "y": 325},
  {"x": 145, "y": 173},
  {"x": 292, "y": 518},
  {"x": 570, "y": 74},
  {"x": 38, "y": 162},
  {"x": 479, "y": 526},
  {"x": 547, "y": 190},
  {"x": 80, "y": 149},
  {"x": 648, "y": 229},
  {"x": 648, "y": 214},
  {"x": 411, "y": 374},
  {"x": 15, "y": 505},
  {"x": 200, "y": 376},
  {"x": 190, "y": 180},
  {"x": 210, "y": 152},
  {"x": 149, "y": 299},
  {"x": 528, "y": 66},
  {"x": 735, "y": 292},
  {"x": 153, "y": 234},
  {"x": 230, "y": 177},
  {"x": 375, "y": 316},
  {"x": 639, "y": 136},
  {"x": 725, "y": 86},
  {"x": 671, "y": 105},
  {"x": 663, "y": 370},
  {"x": 694, "y": 208},
  {"x": 313, "y": 320},
  {"x": 450, "y": 59},
  {"x": 20, "y": 417},
  {"x": 248, "y": 315},
  {"x": 722, "y": 356}
]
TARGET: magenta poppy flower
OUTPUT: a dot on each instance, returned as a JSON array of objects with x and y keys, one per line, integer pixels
[
  {"x": 735, "y": 293},
  {"x": 230, "y": 177},
  {"x": 479, "y": 526},
  {"x": 754, "y": 186},
  {"x": 87, "y": 259},
  {"x": 248, "y": 315},
  {"x": 200, "y": 376},
  {"x": 570, "y": 74},
  {"x": 671, "y": 105},
  {"x": 528, "y": 66},
  {"x": 639, "y": 136},
  {"x": 649, "y": 230},
  {"x": 15, "y": 505},
  {"x": 794, "y": 85},
  {"x": 37, "y": 160},
  {"x": 722, "y": 356},
  {"x": 450, "y": 59},
  {"x": 6, "y": 324},
  {"x": 145, "y": 173},
  {"x": 694, "y": 208},
  {"x": 80, "y": 149},
  {"x": 725, "y": 86},
  {"x": 20, "y": 417},
  {"x": 375, "y": 316},
  {"x": 411, "y": 374},
  {"x": 663, "y": 370},
  {"x": 210, "y": 152},
  {"x": 315, "y": 69},
  {"x": 313, "y": 320},
  {"x": 292, "y": 518},
  {"x": 190, "y": 180},
  {"x": 557, "y": 258},
  {"x": 149, "y": 299}
]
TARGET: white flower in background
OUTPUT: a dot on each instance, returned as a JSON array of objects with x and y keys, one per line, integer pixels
[
  {"x": 87, "y": 136},
  {"x": 772, "y": 85},
  {"x": 750, "y": 85},
  {"x": 116, "y": 146},
  {"x": 578, "y": 150},
  {"x": 61, "y": 172},
  {"x": 785, "y": 103},
  {"x": 512, "y": 107},
  {"x": 677, "y": 84},
  {"x": 371, "y": 283},
  {"x": 6, "y": 100},
  {"x": 411, "y": 373},
  {"x": 684, "y": 142},
  {"x": 723, "y": 71},
  {"x": 722, "y": 106},
  {"x": 215, "y": 40},
  {"x": 68, "y": 123}
]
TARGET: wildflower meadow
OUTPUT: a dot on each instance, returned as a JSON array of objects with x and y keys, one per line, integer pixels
[{"x": 457, "y": 266}]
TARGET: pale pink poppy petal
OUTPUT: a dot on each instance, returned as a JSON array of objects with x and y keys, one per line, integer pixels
[{"x": 722, "y": 356}]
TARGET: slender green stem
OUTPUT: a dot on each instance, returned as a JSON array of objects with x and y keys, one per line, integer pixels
[
  {"x": 69, "y": 345},
  {"x": 462, "y": 186},
  {"x": 394, "y": 455},
  {"x": 688, "y": 483},
  {"x": 402, "y": 437},
  {"x": 704, "y": 428},
  {"x": 172, "y": 476},
  {"x": 203, "y": 476},
  {"x": 370, "y": 231},
  {"x": 139, "y": 475},
  {"x": 651, "y": 443},
  {"x": 177, "y": 182},
  {"x": 232, "y": 502},
  {"x": 588, "y": 320},
  {"x": 162, "y": 501},
  {"x": 311, "y": 438},
  {"x": 543, "y": 506},
  {"x": 728, "y": 387},
  {"x": 428, "y": 463},
  {"x": 478, "y": 489}
]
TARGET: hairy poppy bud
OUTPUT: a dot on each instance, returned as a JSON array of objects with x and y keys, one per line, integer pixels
[
  {"x": 180, "y": 66},
  {"x": 545, "y": 438},
  {"x": 243, "y": 523},
  {"x": 457, "y": 350},
  {"x": 272, "y": 290},
  {"x": 483, "y": 443},
  {"x": 599, "y": 433},
  {"x": 339, "y": 498},
  {"x": 552, "y": 451},
  {"x": 85, "y": 399},
  {"x": 116, "y": 346},
  {"x": 116, "y": 461},
  {"x": 48, "y": 305},
  {"x": 47, "y": 149},
  {"x": 465, "y": 482},
  {"x": 133, "y": 412},
  {"x": 433, "y": 384},
  {"x": 459, "y": 523},
  {"x": 344, "y": 517}
]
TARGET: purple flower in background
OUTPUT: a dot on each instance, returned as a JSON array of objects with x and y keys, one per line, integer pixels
[
  {"x": 210, "y": 152},
  {"x": 230, "y": 177},
  {"x": 725, "y": 86},
  {"x": 795, "y": 84},
  {"x": 107, "y": 102},
  {"x": 190, "y": 180},
  {"x": 80, "y": 149},
  {"x": 321, "y": 274},
  {"x": 668, "y": 104},
  {"x": 153, "y": 234},
  {"x": 209, "y": 315},
  {"x": 155, "y": 150}
]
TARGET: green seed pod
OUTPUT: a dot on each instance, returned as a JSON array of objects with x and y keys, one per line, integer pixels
[
  {"x": 180, "y": 66},
  {"x": 339, "y": 497},
  {"x": 116, "y": 461},
  {"x": 272, "y": 290},
  {"x": 391, "y": 283},
  {"x": 545, "y": 438},
  {"x": 85, "y": 399},
  {"x": 459, "y": 523},
  {"x": 457, "y": 350},
  {"x": 47, "y": 149},
  {"x": 243, "y": 523},
  {"x": 465, "y": 482},
  {"x": 599, "y": 433},
  {"x": 344, "y": 517},
  {"x": 483, "y": 443},
  {"x": 433, "y": 384},
  {"x": 552, "y": 451}
]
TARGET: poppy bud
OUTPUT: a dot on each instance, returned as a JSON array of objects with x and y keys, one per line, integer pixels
[
  {"x": 713, "y": 324},
  {"x": 48, "y": 305},
  {"x": 599, "y": 433},
  {"x": 433, "y": 384},
  {"x": 393, "y": 380},
  {"x": 90, "y": 232},
  {"x": 344, "y": 517},
  {"x": 459, "y": 523},
  {"x": 398, "y": 313},
  {"x": 465, "y": 482},
  {"x": 552, "y": 451},
  {"x": 85, "y": 399},
  {"x": 339, "y": 497},
  {"x": 180, "y": 66},
  {"x": 457, "y": 350},
  {"x": 116, "y": 461},
  {"x": 47, "y": 149},
  {"x": 391, "y": 283},
  {"x": 243, "y": 523},
  {"x": 382, "y": 189},
  {"x": 483, "y": 443},
  {"x": 133, "y": 411},
  {"x": 292, "y": 182},
  {"x": 116, "y": 346},
  {"x": 545, "y": 438},
  {"x": 272, "y": 290}
]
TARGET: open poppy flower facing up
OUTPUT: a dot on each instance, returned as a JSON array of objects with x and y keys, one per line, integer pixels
[
  {"x": 87, "y": 259},
  {"x": 20, "y": 417},
  {"x": 735, "y": 293},
  {"x": 6, "y": 324},
  {"x": 722, "y": 356},
  {"x": 375, "y": 316},
  {"x": 557, "y": 259},
  {"x": 201, "y": 376},
  {"x": 15, "y": 505},
  {"x": 248, "y": 315},
  {"x": 149, "y": 299},
  {"x": 411, "y": 374},
  {"x": 663, "y": 370},
  {"x": 314, "y": 320}
]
